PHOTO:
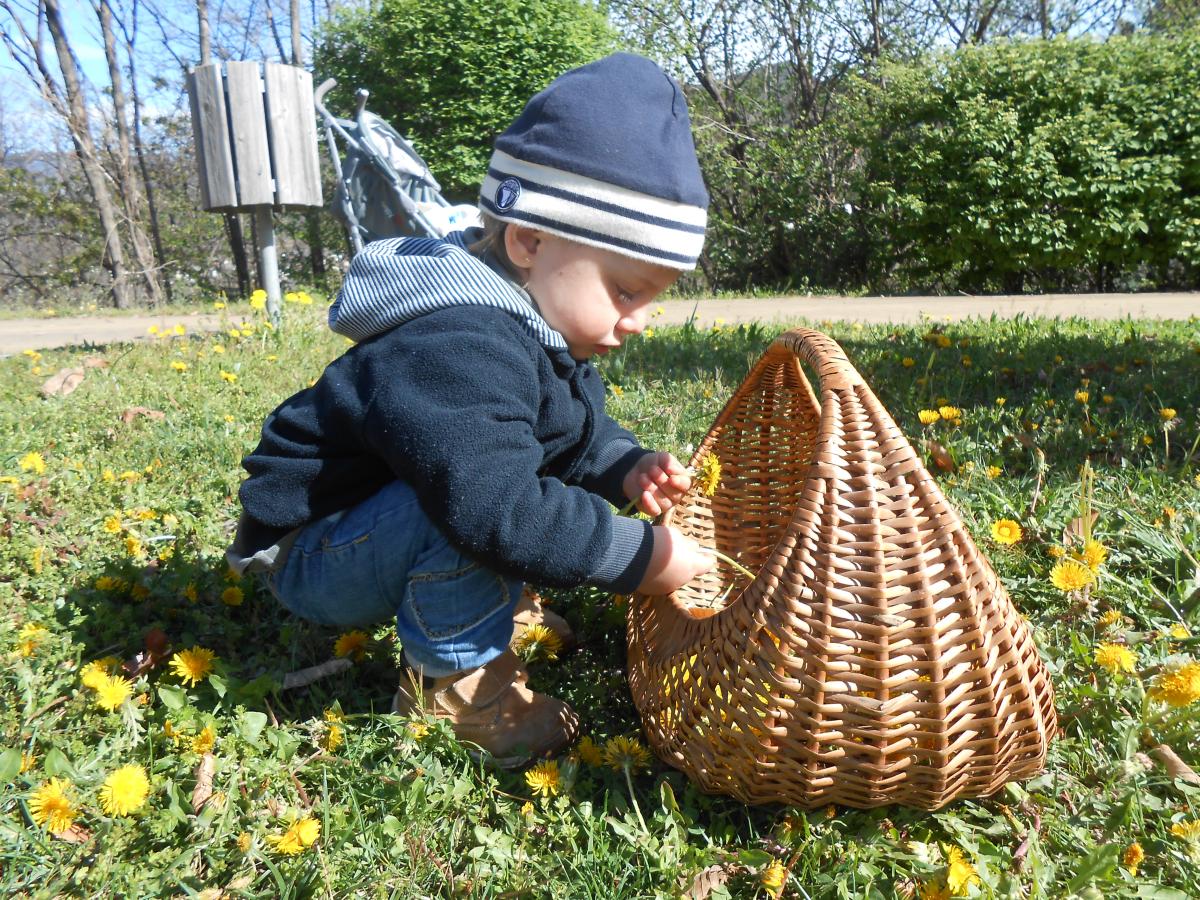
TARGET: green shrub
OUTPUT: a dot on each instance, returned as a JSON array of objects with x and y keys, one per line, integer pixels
[
  {"x": 451, "y": 75},
  {"x": 1046, "y": 164}
]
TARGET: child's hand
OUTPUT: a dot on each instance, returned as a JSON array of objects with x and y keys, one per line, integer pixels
[
  {"x": 656, "y": 483},
  {"x": 674, "y": 562}
]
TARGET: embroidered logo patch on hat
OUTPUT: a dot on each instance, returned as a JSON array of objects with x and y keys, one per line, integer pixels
[{"x": 507, "y": 194}]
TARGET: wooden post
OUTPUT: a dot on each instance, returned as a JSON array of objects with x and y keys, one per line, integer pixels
[{"x": 256, "y": 148}]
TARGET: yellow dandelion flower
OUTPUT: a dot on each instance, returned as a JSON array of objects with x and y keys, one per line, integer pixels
[
  {"x": 418, "y": 729},
  {"x": 179, "y": 366},
  {"x": 908, "y": 362},
  {"x": 29, "y": 637},
  {"x": 191, "y": 593},
  {"x": 243, "y": 842},
  {"x": 124, "y": 791},
  {"x": 935, "y": 890},
  {"x": 91, "y": 675},
  {"x": 649, "y": 332},
  {"x": 1132, "y": 857},
  {"x": 960, "y": 874},
  {"x": 543, "y": 778},
  {"x": 258, "y": 300},
  {"x": 773, "y": 877},
  {"x": 112, "y": 691},
  {"x": 1179, "y": 631},
  {"x": 139, "y": 592},
  {"x": 109, "y": 583},
  {"x": 617, "y": 390},
  {"x": 527, "y": 809},
  {"x": 1110, "y": 618},
  {"x": 1082, "y": 396},
  {"x": 1071, "y": 575},
  {"x": 1006, "y": 532},
  {"x": 352, "y": 643},
  {"x": 994, "y": 472},
  {"x": 1187, "y": 831},
  {"x": 950, "y": 412},
  {"x": 50, "y": 806},
  {"x": 928, "y": 416},
  {"x": 626, "y": 753},
  {"x": 112, "y": 524},
  {"x": 537, "y": 642},
  {"x": 1178, "y": 685},
  {"x": 943, "y": 340},
  {"x": 218, "y": 348},
  {"x": 194, "y": 665},
  {"x": 299, "y": 836},
  {"x": 1056, "y": 552},
  {"x": 334, "y": 738},
  {"x": 133, "y": 546},
  {"x": 33, "y": 462},
  {"x": 1167, "y": 413},
  {"x": 28, "y": 761},
  {"x": 228, "y": 376},
  {"x": 590, "y": 753},
  {"x": 232, "y": 596},
  {"x": 710, "y": 474},
  {"x": 1107, "y": 399},
  {"x": 1115, "y": 658},
  {"x": 1093, "y": 554},
  {"x": 205, "y": 740}
]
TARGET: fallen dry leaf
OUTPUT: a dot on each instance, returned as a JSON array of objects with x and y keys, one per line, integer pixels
[
  {"x": 204, "y": 781},
  {"x": 1076, "y": 531},
  {"x": 134, "y": 411},
  {"x": 939, "y": 455},
  {"x": 95, "y": 362},
  {"x": 705, "y": 881},
  {"x": 76, "y": 834},
  {"x": 62, "y": 383},
  {"x": 301, "y": 677}
]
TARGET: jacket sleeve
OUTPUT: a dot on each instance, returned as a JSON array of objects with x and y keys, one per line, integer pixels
[{"x": 453, "y": 414}]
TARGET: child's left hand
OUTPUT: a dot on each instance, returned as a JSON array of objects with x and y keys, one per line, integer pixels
[{"x": 656, "y": 482}]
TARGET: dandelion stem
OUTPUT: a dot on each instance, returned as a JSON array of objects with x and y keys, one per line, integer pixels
[
  {"x": 633, "y": 798},
  {"x": 733, "y": 562}
]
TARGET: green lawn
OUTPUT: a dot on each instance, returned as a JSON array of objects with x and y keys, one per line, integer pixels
[{"x": 116, "y": 503}]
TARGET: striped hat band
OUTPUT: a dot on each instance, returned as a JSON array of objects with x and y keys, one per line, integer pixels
[{"x": 593, "y": 212}]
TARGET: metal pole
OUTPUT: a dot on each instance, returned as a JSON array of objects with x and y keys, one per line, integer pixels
[{"x": 270, "y": 262}]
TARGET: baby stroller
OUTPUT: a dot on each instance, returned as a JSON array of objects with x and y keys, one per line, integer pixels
[{"x": 384, "y": 188}]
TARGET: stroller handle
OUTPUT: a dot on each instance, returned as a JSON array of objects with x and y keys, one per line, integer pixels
[
  {"x": 361, "y": 96},
  {"x": 319, "y": 95}
]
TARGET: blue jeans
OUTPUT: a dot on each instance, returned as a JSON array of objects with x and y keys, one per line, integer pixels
[{"x": 385, "y": 557}]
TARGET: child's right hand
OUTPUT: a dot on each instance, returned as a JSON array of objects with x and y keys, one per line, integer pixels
[{"x": 674, "y": 562}]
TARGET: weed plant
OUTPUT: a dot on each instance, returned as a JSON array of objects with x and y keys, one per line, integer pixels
[{"x": 117, "y": 501}]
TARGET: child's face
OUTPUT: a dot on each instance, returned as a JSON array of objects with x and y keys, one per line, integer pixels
[{"x": 594, "y": 298}]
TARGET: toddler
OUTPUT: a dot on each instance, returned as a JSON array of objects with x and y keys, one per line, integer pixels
[{"x": 460, "y": 448}]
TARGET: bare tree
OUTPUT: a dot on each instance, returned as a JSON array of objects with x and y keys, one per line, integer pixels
[
  {"x": 130, "y": 189},
  {"x": 69, "y": 103}
]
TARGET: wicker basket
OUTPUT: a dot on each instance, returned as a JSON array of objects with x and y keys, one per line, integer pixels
[{"x": 875, "y": 658}]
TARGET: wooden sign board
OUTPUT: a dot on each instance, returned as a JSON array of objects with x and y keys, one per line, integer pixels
[{"x": 255, "y": 134}]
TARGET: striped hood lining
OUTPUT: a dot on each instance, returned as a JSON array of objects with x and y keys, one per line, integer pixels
[{"x": 397, "y": 280}]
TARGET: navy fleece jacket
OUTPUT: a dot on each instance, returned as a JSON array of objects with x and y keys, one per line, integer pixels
[{"x": 459, "y": 388}]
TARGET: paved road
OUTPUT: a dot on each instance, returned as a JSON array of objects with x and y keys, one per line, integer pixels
[{"x": 40, "y": 334}]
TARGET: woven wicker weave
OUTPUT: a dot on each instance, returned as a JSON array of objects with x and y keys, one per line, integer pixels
[{"x": 875, "y": 658}]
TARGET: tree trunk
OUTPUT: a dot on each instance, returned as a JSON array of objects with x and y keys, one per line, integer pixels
[
  {"x": 81, "y": 135},
  {"x": 160, "y": 256},
  {"x": 130, "y": 190}
]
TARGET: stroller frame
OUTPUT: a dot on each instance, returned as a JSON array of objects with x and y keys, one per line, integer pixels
[{"x": 413, "y": 194}]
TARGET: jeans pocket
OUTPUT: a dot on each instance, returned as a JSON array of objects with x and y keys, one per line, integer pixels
[{"x": 446, "y": 604}]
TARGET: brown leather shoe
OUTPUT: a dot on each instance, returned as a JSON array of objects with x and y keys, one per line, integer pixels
[
  {"x": 491, "y": 707},
  {"x": 530, "y": 611}
]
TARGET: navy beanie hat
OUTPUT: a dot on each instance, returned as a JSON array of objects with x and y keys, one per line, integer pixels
[{"x": 604, "y": 156}]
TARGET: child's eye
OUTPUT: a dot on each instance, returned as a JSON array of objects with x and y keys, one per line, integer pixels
[{"x": 624, "y": 297}]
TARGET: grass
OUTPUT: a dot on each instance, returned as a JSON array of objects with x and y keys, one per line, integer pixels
[{"x": 114, "y": 529}]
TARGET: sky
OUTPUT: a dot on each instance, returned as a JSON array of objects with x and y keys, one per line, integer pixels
[{"x": 162, "y": 48}]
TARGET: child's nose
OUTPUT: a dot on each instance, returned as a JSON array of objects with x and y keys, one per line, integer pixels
[{"x": 633, "y": 322}]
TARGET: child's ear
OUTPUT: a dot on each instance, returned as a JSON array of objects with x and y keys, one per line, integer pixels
[{"x": 521, "y": 244}]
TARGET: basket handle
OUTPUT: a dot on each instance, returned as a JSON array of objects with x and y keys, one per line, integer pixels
[{"x": 824, "y": 354}]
